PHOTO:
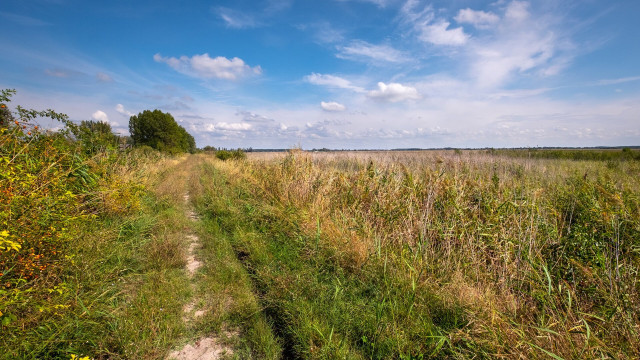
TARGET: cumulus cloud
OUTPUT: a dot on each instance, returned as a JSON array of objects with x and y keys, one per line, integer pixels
[
  {"x": 393, "y": 92},
  {"x": 332, "y": 106},
  {"x": 332, "y": 82},
  {"x": 477, "y": 18},
  {"x": 100, "y": 116},
  {"x": 363, "y": 51},
  {"x": 203, "y": 66},
  {"x": 102, "y": 77}
]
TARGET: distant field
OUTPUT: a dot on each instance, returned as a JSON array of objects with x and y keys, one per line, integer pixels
[{"x": 445, "y": 254}]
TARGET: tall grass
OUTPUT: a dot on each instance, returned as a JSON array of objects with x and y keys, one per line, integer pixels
[
  {"x": 438, "y": 254},
  {"x": 87, "y": 265}
]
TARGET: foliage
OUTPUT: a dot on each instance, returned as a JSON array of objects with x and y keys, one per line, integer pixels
[
  {"x": 160, "y": 131},
  {"x": 58, "y": 193},
  {"x": 572, "y": 154},
  {"x": 230, "y": 154},
  {"x": 96, "y": 136}
]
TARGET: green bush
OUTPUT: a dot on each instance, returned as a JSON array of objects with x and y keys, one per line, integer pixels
[{"x": 230, "y": 154}]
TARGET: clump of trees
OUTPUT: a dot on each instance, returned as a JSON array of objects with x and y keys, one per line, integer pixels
[{"x": 160, "y": 131}]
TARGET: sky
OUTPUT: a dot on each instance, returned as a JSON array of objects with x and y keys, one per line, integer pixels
[{"x": 339, "y": 74}]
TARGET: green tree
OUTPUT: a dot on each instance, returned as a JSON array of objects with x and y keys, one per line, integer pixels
[
  {"x": 96, "y": 136},
  {"x": 160, "y": 131}
]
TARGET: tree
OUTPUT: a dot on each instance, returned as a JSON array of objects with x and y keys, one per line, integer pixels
[
  {"x": 96, "y": 136},
  {"x": 160, "y": 131}
]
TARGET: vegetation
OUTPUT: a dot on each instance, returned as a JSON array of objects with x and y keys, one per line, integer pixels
[
  {"x": 573, "y": 154},
  {"x": 160, "y": 131},
  {"x": 358, "y": 255},
  {"x": 230, "y": 154},
  {"x": 436, "y": 254},
  {"x": 87, "y": 265}
]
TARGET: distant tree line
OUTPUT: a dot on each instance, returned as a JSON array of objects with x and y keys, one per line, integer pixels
[{"x": 571, "y": 154}]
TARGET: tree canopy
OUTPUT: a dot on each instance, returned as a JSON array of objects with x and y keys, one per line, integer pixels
[{"x": 160, "y": 131}]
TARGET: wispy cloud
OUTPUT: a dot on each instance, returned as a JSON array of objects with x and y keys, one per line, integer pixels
[
  {"x": 477, "y": 18},
  {"x": 102, "y": 77},
  {"x": 205, "y": 67},
  {"x": 380, "y": 3},
  {"x": 236, "y": 19},
  {"x": 518, "y": 43},
  {"x": 332, "y": 81},
  {"x": 364, "y": 51},
  {"x": 23, "y": 20},
  {"x": 120, "y": 109},
  {"x": 429, "y": 28},
  {"x": 617, "y": 81}
]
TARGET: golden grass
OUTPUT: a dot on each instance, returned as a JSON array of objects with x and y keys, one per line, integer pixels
[{"x": 530, "y": 248}]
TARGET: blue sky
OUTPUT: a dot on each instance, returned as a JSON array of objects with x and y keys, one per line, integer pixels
[{"x": 336, "y": 73}]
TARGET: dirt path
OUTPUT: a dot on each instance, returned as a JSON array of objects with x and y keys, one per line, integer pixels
[{"x": 206, "y": 348}]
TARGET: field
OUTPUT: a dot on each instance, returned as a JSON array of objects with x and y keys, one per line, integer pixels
[
  {"x": 436, "y": 254},
  {"x": 326, "y": 255}
]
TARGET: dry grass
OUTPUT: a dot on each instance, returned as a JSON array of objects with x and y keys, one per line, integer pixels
[{"x": 542, "y": 255}]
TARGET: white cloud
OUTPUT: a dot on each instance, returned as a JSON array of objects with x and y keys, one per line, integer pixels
[
  {"x": 332, "y": 82},
  {"x": 332, "y": 106},
  {"x": 363, "y": 51},
  {"x": 520, "y": 44},
  {"x": 100, "y": 116},
  {"x": 440, "y": 34},
  {"x": 233, "y": 126},
  {"x": 203, "y": 66},
  {"x": 103, "y": 77},
  {"x": 479, "y": 19},
  {"x": 57, "y": 73},
  {"x": 120, "y": 109},
  {"x": 617, "y": 81},
  {"x": 429, "y": 28},
  {"x": 380, "y": 3},
  {"x": 517, "y": 11},
  {"x": 236, "y": 19},
  {"x": 393, "y": 92}
]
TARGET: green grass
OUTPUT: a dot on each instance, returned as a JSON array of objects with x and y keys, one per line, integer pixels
[
  {"x": 319, "y": 307},
  {"x": 436, "y": 254}
]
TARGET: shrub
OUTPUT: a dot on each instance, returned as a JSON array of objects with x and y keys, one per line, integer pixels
[{"x": 230, "y": 154}]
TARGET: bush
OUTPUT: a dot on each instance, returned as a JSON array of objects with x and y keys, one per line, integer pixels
[{"x": 230, "y": 154}]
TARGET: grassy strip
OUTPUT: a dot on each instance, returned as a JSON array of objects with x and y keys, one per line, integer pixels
[
  {"x": 320, "y": 305},
  {"x": 223, "y": 289},
  {"x": 121, "y": 291}
]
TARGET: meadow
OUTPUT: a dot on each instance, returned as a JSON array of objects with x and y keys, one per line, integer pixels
[{"x": 436, "y": 254}]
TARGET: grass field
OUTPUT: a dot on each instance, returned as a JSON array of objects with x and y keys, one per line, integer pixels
[
  {"x": 342, "y": 255},
  {"x": 436, "y": 254}
]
